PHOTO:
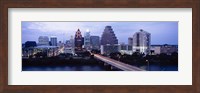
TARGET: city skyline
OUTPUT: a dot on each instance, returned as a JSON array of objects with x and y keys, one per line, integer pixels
[
  {"x": 162, "y": 32},
  {"x": 84, "y": 47}
]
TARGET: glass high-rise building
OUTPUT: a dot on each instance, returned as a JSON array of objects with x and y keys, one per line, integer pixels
[
  {"x": 53, "y": 40},
  {"x": 43, "y": 40},
  {"x": 87, "y": 40},
  {"x": 95, "y": 42},
  {"x": 72, "y": 41},
  {"x": 108, "y": 36},
  {"x": 142, "y": 42}
]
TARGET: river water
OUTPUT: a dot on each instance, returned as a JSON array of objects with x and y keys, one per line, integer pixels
[
  {"x": 92, "y": 68},
  {"x": 65, "y": 68}
]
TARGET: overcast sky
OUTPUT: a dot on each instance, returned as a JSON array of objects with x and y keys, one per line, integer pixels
[{"x": 161, "y": 32}]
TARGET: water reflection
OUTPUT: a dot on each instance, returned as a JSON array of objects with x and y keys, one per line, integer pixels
[
  {"x": 160, "y": 68},
  {"x": 65, "y": 68},
  {"x": 92, "y": 68}
]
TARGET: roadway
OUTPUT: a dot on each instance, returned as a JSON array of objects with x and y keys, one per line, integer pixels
[{"x": 117, "y": 64}]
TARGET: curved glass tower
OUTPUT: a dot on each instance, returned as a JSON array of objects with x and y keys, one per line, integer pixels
[{"x": 142, "y": 42}]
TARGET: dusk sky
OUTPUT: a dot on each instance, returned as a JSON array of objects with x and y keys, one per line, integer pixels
[{"x": 161, "y": 32}]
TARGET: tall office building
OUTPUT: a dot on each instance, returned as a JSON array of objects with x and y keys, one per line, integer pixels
[
  {"x": 53, "y": 40},
  {"x": 43, "y": 40},
  {"x": 95, "y": 42},
  {"x": 130, "y": 41},
  {"x": 142, "y": 42},
  {"x": 108, "y": 36},
  {"x": 72, "y": 41},
  {"x": 78, "y": 40},
  {"x": 87, "y": 40}
]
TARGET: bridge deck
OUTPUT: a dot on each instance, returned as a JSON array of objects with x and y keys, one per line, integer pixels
[{"x": 117, "y": 64}]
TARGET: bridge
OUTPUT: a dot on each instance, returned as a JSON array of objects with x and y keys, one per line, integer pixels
[{"x": 117, "y": 64}]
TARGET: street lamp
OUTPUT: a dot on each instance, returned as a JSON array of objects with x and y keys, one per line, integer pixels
[{"x": 147, "y": 64}]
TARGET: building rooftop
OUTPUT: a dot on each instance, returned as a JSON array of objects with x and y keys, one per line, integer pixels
[
  {"x": 45, "y": 46},
  {"x": 53, "y": 37}
]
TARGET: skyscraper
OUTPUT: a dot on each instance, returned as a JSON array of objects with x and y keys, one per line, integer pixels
[
  {"x": 53, "y": 40},
  {"x": 87, "y": 40},
  {"x": 130, "y": 41},
  {"x": 43, "y": 40},
  {"x": 72, "y": 41},
  {"x": 78, "y": 40},
  {"x": 108, "y": 36},
  {"x": 142, "y": 42},
  {"x": 95, "y": 42}
]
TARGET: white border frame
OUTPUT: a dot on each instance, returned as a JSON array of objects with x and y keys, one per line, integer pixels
[{"x": 181, "y": 77}]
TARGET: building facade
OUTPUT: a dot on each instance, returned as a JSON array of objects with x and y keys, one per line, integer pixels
[
  {"x": 142, "y": 42},
  {"x": 95, "y": 42},
  {"x": 166, "y": 49},
  {"x": 169, "y": 49},
  {"x": 108, "y": 36},
  {"x": 107, "y": 49},
  {"x": 68, "y": 43},
  {"x": 79, "y": 40},
  {"x": 130, "y": 41},
  {"x": 122, "y": 48},
  {"x": 69, "y": 46},
  {"x": 72, "y": 41},
  {"x": 87, "y": 40},
  {"x": 53, "y": 41},
  {"x": 155, "y": 49},
  {"x": 43, "y": 40},
  {"x": 30, "y": 44}
]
